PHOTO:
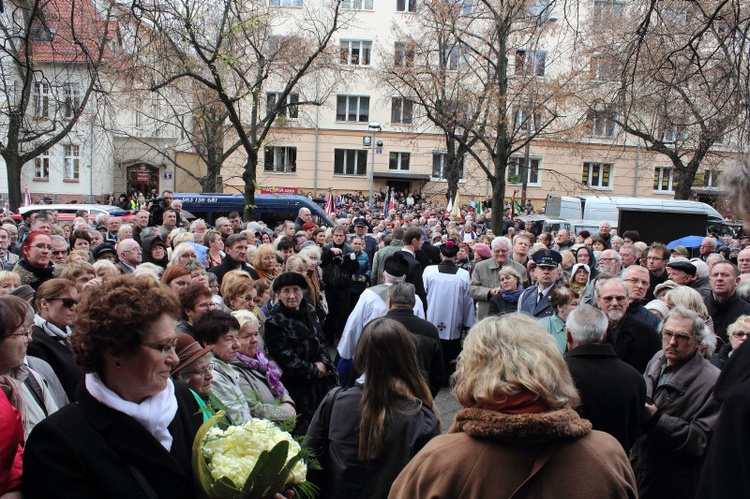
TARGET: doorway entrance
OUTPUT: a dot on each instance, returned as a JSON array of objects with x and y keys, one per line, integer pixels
[{"x": 143, "y": 178}]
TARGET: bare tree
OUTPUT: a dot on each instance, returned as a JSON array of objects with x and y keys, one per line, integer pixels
[
  {"x": 51, "y": 57},
  {"x": 250, "y": 57},
  {"x": 486, "y": 106},
  {"x": 678, "y": 78}
]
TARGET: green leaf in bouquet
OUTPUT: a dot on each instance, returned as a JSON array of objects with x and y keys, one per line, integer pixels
[
  {"x": 269, "y": 475},
  {"x": 214, "y": 489}
]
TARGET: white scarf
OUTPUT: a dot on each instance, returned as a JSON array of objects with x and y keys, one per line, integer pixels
[
  {"x": 155, "y": 413},
  {"x": 51, "y": 329}
]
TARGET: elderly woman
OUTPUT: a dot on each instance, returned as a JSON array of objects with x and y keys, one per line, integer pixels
[
  {"x": 240, "y": 295},
  {"x": 260, "y": 379},
  {"x": 131, "y": 432},
  {"x": 364, "y": 435},
  {"x": 195, "y": 300},
  {"x": 219, "y": 329},
  {"x": 264, "y": 261},
  {"x": 195, "y": 369},
  {"x": 563, "y": 299},
  {"x": 155, "y": 251},
  {"x": 57, "y": 310},
  {"x": 579, "y": 278},
  {"x": 295, "y": 341},
  {"x": 35, "y": 265},
  {"x": 737, "y": 332},
  {"x": 518, "y": 433},
  {"x": 506, "y": 301}
]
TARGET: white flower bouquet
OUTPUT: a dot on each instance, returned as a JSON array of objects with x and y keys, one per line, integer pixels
[{"x": 249, "y": 461}]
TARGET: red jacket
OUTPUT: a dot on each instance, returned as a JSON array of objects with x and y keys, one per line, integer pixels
[{"x": 11, "y": 446}]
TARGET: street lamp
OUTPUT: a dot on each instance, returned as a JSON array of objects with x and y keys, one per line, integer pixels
[{"x": 373, "y": 126}]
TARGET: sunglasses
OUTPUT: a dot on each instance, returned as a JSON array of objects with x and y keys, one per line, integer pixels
[{"x": 66, "y": 302}]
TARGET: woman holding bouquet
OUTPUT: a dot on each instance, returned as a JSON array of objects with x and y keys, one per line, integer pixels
[
  {"x": 294, "y": 340},
  {"x": 131, "y": 432},
  {"x": 366, "y": 434}
]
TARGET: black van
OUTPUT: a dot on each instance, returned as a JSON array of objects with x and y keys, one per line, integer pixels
[{"x": 272, "y": 209}]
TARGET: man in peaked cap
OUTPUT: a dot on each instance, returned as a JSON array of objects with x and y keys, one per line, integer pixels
[
  {"x": 535, "y": 300},
  {"x": 372, "y": 303}
]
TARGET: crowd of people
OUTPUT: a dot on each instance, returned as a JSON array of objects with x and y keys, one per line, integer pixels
[{"x": 584, "y": 363}]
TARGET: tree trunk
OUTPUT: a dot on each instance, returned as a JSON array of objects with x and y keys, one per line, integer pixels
[
  {"x": 498, "y": 197},
  {"x": 13, "y": 169},
  {"x": 248, "y": 176}
]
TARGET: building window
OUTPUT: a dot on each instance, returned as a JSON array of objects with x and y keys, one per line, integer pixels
[
  {"x": 286, "y": 3},
  {"x": 467, "y": 7},
  {"x": 540, "y": 9},
  {"x": 531, "y": 62},
  {"x": 349, "y": 162},
  {"x": 355, "y": 52},
  {"x": 522, "y": 118},
  {"x": 515, "y": 167},
  {"x": 711, "y": 178},
  {"x": 597, "y": 175},
  {"x": 280, "y": 160},
  {"x": 72, "y": 162},
  {"x": 290, "y": 109},
  {"x": 607, "y": 10},
  {"x": 401, "y": 110},
  {"x": 602, "y": 124},
  {"x": 671, "y": 134},
  {"x": 41, "y": 165},
  {"x": 357, "y": 4},
  {"x": 354, "y": 108},
  {"x": 71, "y": 99},
  {"x": 406, "y": 5},
  {"x": 663, "y": 179},
  {"x": 399, "y": 161},
  {"x": 452, "y": 57},
  {"x": 439, "y": 165},
  {"x": 603, "y": 68},
  {"x": 41, "y": 99},
  {"x": 403, "y": 54}
]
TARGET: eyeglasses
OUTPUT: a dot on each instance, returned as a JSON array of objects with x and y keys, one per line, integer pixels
[
  {"x": 59, "y": 252},
  {"x": 136, "y": 250},
  {"x": 164, "y": 348},
  {"x": 609, "y": 299},
  {"x": 667, "y": 335},
  {"x": 633, "y": 280},
  {"x": 607, "y": 259},
  {"x": 246, "y": 298},
  {"x": 66, "y": 302},
  {"x": 43, "y": 247},
  {"x": 25, "y": 332},
  {"x": 740, "y": 334},
  {"x": 290, "y": 291},
  {"x": 203, "y": 371}
]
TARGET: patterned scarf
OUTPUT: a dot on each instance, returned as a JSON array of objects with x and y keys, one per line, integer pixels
[
  {"x": 260, "y": 363},
  {"x": 512, "y": 296}
]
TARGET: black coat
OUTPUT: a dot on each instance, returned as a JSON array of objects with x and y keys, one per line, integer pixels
[
  {"x": 724, "y": 314},
  {"x": 613, "y": 394},
  {"x": 501, "y": 306},
  {"x": 725, "y": 466},
  {"x": 294, "y": 340},
  {"x": 227, "y": 264},
  {"x": 636, "y": 343},
  {"x": 408, "y": 427},
  {"x": 87, "y": 450},
  {"x": 59, "y": 356},
  {"x": 414, "y": 276},
  {"x": 427, "y": 342}
]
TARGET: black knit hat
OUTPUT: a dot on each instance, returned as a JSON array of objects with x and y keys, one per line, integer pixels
[{"x": 289, "y": 279}]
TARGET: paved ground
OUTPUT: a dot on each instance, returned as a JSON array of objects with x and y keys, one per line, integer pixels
[{"x": 448, "y": 407}]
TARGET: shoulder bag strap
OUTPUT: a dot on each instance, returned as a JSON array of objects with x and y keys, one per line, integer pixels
[
  {"x": 541, "y": 460},
  {"x": 150, "y": 493}
]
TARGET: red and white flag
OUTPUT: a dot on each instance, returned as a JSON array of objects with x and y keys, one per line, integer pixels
[
  {"x": 329, "y": 204},
  {"x": 26, "y": 197}
]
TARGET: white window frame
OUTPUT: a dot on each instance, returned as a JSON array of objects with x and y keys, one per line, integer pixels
[
  {"x": 402, "y": 111},
  {"x": 602, "y": 124},
  {"x": 602, "y": 68},
  {"x": 403, "y": 54},
  {"x": 41, "y": 166},
  {"x": 355, "y": 53},
  {"x": 452, "y": 56},
  {"x": 291, "y": 110},
  {"x": 72, "y": 164},
  {"x": 441, "y": 156},
  {"x": 283, "y": 159},
  {"x": 711, "y": 178},
  {"x": 607, "y": 9},
  {"x": 357, "y": 105},
  {"x": 531, "y": 62},
  {"x": 522, "y": 116},
  {"x": 406, "y": 5},
  {"x": 601, "y": 174},
  {"x": 533, "y": 176},
  {"x": 42, "y": 97},
  {"x": 354, "y": 162},
  {"x": 357, "y": 4},
  {"x": 662, "y": 174},
  {"x": 71, "y": 99},
  {"x": 401, "y": 161},
  {"x": 297, "y": 4}
]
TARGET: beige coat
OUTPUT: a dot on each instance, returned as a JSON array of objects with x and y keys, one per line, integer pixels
[
  {"x": 484, "y": 278},
  {"x": 489, "y": 454}
]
